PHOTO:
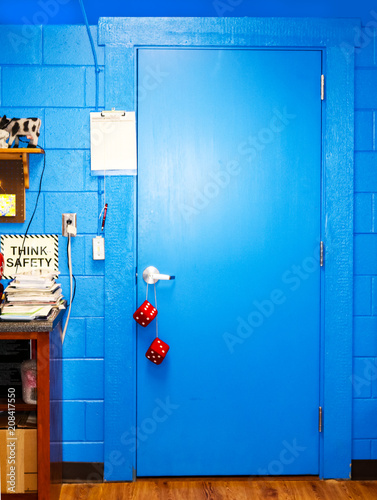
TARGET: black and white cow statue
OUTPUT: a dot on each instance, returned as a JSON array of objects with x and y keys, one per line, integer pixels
[{"x": 21, "y": 127}]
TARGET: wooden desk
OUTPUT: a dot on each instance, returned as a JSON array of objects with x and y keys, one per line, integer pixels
[{"x": 49, "y": 394}]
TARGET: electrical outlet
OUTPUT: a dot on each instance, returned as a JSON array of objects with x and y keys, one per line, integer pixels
[
  {"x": 69, "y": 220},
  {"x": 98, "y": 248}
]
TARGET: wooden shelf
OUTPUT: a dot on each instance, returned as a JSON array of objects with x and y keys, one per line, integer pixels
[
  {"x": 22, "y": 150},
  {"x": 20, "y": 406},
  {"x": 20, "y": 154}
]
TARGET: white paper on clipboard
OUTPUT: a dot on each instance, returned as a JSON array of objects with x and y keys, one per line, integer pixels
[{"x": 113, "y": 143}]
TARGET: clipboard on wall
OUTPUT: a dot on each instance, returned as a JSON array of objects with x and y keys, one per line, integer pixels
[{"x": 113, "y": 143}]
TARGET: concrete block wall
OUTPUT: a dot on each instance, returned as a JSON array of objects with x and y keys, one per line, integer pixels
[
  {"x": 49, "y": 73},
  {"x": 365, "y": 267}
]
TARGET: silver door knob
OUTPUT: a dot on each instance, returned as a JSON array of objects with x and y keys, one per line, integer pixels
[{"x": 151, "y": 275}]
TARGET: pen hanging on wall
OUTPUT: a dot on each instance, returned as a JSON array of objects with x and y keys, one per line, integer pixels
[{"x": 104, "y": 217}]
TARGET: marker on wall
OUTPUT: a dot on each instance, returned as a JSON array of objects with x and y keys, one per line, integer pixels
[{"x": 104, "y": 217}]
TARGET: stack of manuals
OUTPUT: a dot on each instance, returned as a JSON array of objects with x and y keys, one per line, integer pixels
[{"x": 31, "y": 296}]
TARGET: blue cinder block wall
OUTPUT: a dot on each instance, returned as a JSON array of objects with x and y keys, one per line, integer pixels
[
  {"x": 365, "y": 279},
  {"x": 48, "y": 72}
]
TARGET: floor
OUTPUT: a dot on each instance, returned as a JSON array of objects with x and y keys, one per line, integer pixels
[{"x": 307, "y": 488}]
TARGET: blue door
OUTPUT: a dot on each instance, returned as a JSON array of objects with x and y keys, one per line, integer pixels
[{"x": 229, "y": 201}]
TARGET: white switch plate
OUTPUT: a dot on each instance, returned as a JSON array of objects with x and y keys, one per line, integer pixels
[{"x": 98, "y": 248}]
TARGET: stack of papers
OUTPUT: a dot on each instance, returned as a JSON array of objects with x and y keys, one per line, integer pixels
[
  {"x": 24, "y": 313},
  {"x": 31, "y": 296}
]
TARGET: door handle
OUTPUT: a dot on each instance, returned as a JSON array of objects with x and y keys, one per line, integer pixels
[
  {"x": 164, "y": 277},
  {"x": 151, "y": 275}
]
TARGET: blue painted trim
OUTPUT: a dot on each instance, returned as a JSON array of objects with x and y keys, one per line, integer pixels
[
  {"x": 232, "y": 31},
  {"x": 336, "y": 37},
  {"x": 338, "y": 237}
]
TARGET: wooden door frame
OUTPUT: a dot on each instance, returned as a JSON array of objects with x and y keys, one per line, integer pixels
[{"x": 335, "y": 37}]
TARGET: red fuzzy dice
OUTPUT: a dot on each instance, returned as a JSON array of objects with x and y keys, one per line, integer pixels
[
  {"x": 157, "y": 351},
  {"x": 145, "y": 314}
]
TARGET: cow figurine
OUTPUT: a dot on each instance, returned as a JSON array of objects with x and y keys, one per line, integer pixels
[
  {"x": 21, "y": 127},
  {"x": 3, "y": 139}
]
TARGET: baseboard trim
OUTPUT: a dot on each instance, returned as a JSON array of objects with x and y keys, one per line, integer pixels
[
  {"x": 82, "y": 472},
  {"x": 364, "y": 470},
  {"x": 88, "y": 472}
]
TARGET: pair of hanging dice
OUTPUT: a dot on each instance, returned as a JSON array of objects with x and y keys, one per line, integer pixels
[{"x": 158, "y": 349}]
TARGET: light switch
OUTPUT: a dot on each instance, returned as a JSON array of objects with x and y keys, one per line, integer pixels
[{"x": 98, "y": 248}]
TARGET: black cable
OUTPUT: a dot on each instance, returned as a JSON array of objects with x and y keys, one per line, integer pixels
[
  {"x": 74, "y": 290},
  {"x": 73, "y": 276},
  {"x": 36, "y": 203}
]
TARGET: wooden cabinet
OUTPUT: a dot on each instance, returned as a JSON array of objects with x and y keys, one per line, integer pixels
[{"x": 49, "y": 394}]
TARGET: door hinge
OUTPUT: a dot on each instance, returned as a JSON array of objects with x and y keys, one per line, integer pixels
[
  {"x": 320, "y": 419},
  {"x": 321, "y": 254},
  {"x": 322, "y": 87}
]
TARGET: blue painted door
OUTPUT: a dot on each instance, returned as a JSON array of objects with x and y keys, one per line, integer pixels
[{"x": 229, "y": 201}]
